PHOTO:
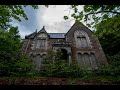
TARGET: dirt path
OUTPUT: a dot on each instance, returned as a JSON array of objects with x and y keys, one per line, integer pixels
[{"x": 53, "y": 81}]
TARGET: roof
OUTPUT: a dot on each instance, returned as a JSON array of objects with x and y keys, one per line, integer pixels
[
  {"x": 42, "y": 30},
  {"x": 32, "y": 35},
  {"x": 57, "y": 35}
]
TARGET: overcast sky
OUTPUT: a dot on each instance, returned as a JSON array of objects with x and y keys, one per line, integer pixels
[{"x": 51, "y": 18}]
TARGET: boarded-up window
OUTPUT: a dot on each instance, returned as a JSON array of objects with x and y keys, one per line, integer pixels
[
  {"x": 86, "y": 60},
  {"x": 84, "y": 42},
  {"x": 93, "y": 60},
  {"x": 79, "y": 42},
  {"x": 82, "y": 39},
  {"x": 37, "y": 62},
  {"x": 80, "y": 59},
  {"x": 40, "y": 43}
]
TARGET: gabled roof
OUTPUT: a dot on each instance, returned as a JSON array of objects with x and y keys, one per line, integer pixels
[
  {"x": 78, "y": 24},
  {"x": 32, "y": 35},
  {"x": 42, "y": 30},
  {"x": 57, "y": 35}
]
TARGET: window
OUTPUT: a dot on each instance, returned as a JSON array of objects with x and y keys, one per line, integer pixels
[
  {"x": 93, "y": 60},
  {"x": 87, "y": 60},
  {"x": 82, "y": 39},
  {"x": 40, "y": 43},
  {"x": 79, "y": 43},
  {"x": 80, "y": 59},
  {"x": 84, "y": 42}
]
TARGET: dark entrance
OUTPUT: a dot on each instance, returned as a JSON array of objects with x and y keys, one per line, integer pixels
[{"x": 64, "y": 54}]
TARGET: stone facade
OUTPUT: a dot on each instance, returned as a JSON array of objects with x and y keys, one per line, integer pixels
[{"x": 79, "y": 45}]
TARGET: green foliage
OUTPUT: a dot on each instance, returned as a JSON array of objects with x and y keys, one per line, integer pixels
[
  {"x": 12, "y": 62},
  {"x": 65, "y": 17},
  {"x": 54, "y": 66},
  {"x": 9, "y": 12},
  {"x": 113, "y": 69},
  {"x": 108, "y": 33},
  {"x": 60, "y": 68},
  {"x": 94, "y": 14}
]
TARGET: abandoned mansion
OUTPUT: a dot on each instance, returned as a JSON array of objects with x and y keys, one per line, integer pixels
[{"x": 78, "y": 45}]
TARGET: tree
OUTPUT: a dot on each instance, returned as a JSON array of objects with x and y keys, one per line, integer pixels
[
  {"x": 11, "y": 59},
  {"x": 108, "y": 33},
  {"x": 9, "y": 12},
  {"x": 93, "y": 14}
]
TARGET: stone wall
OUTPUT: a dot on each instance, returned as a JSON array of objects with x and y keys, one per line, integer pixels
[{"x": 94, "y": 50}]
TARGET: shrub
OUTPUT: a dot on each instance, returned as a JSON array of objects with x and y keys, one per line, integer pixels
[{"x": 113, "y": 69}]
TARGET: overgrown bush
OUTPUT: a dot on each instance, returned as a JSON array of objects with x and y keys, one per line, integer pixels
[
  {"x": 112, "y": 69},
  {"x": 54, "y": 66},
  {"x": 12, "y": 61}
]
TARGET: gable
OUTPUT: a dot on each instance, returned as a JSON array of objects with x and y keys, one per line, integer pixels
[
  {"x": 42, "y": 33},
  {"x": 78, "y": 26},
  {"x": 31, "y": 36}
]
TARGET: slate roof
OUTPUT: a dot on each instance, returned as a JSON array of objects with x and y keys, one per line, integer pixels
[
  {"x": 57, "y": 35},
  {"x": 51, "y": 35}
]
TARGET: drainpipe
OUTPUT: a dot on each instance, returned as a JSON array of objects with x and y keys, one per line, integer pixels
[{"x": 27, "y": 45}]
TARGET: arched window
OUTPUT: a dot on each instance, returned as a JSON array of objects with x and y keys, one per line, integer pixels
[
  {"x": 43, "y": 57},
  {"x": 87, "y": 59},
  {"x": 41, "y": 41},
  {"x": 38, "y": 62},
  {"x": 80, "y": 59},
  {"x": 84, "y": 60},
  {"x": 82, "y": 39}
]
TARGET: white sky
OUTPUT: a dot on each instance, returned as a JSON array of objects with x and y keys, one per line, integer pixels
[{"x": 51, "y": 18}]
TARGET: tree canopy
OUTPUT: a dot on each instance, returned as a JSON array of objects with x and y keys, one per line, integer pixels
[
  {"x": 94, "y": 14},
  {"x": 108, "y": 33},
  {"x": 12, "y": 61},
  {"x": 9, "y": 12}
]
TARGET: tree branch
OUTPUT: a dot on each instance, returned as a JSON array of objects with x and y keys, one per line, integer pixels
[
  {"x": 104, "y": 12},
  {"x": 108, "y": 12}
]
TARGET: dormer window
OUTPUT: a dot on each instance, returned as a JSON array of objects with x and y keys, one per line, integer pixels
[{"x": 41, "y": 41}]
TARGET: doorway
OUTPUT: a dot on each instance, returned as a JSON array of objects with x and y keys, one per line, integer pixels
[{"x": 64, "y": 55}]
